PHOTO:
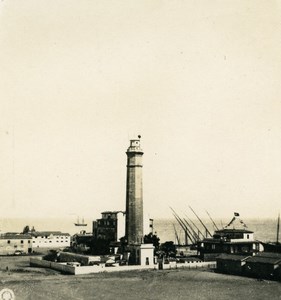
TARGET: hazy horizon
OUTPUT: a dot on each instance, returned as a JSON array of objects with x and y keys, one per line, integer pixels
[
  {"x": 264, "y": 229},
  {"x": 199, "y": 80}
]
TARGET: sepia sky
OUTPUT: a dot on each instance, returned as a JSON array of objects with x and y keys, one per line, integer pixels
[{"x": 199, "y": 80}]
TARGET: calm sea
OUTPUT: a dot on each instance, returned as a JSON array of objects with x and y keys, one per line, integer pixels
[{"x": 264, "y": 229}]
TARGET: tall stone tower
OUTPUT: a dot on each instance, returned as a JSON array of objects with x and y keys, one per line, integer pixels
[{"x": 134, "y": 200}]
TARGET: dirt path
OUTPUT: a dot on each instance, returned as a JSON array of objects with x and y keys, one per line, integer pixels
[
  {"x": 38, "y": 283},
  {"x": 172, "y": 284}
]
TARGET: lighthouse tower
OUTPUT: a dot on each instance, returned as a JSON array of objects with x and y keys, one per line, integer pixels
[{"x": 134, "y": 195}]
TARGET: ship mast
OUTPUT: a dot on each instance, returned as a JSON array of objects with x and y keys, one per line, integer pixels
[
  {"x": 207, "y": 231},
  {"x": 187, "y": 232},
  {"x": 199, "y": 231},
  {"x": 278, "y": 225},
  {"x": 176, "y": 234},
  {"x": 215, "y": 225}
]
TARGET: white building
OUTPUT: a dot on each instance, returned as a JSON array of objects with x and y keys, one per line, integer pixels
[
  {"x": 13, "y": 243},
  {"x": 50, "y": 239}
]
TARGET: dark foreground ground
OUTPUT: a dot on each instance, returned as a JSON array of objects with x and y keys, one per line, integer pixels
[{"x": 35, "y": 283}]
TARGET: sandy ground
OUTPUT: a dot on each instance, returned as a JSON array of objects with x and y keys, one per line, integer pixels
[{"x": 37, "y": 283}]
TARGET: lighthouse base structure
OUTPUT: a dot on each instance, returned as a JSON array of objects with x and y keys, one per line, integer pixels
[
  {"x": 140, "y": 254},
  {"x": 146, "y": 254}
]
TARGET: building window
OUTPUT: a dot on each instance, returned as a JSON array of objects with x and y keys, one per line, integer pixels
[
  {"x": 28, "y": 241},
  {"x": 21, "y": 241},
  {"x": 248, "y": 236},
  {"x": 9, "y": 242}
]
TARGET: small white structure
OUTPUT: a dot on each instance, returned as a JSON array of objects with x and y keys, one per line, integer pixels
[
  {"x": 50, "y": 239},
  {"x": 121, "y": 217},
  {"x": 146, "y": 254}
]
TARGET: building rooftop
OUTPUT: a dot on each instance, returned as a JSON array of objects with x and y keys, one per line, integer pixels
[
  {"x": 233, "y": 257},
  {"x": 269, "y": 254},
  {"x": 48, "y": 233},
  {"x": 229, "y": 241},
  {"x": 15, "y": 236},
  {"x": 113, "y": 212},
  {"x": 233, "y": 230},
  {"x": 236, "y": 223},
  {"x": 264, "y": 260}
]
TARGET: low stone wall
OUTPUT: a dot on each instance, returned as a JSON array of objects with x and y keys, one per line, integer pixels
[
  {"x": 63, "y": 267},
  {"x": 188, "y": 265},
  {"x": 35, "y": 262},
  {"x": 102, "y": 268}
]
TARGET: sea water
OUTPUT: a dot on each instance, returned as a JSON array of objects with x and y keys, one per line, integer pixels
[
  {"x": 264, "y": 229},
  {"x": 166, "y": 229}
]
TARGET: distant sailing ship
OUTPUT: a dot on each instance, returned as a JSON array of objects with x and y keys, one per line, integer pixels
[
  {"x": 80, "y": 224},
  {"x": 271, "y": 246}
]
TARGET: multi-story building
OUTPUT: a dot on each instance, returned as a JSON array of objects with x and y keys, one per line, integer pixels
[
  {"x": 15, "y": 243},
  {"x": 110, "y": 227},
  {"x": 235, "y": 238}
]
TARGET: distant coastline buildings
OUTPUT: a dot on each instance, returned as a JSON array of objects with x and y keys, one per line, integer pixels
[
  {"x": 50, "y": 239},
  {"x": 18, "y": 243}
]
